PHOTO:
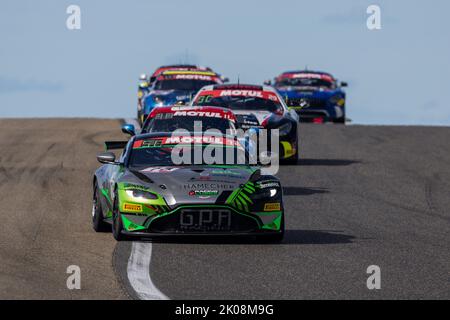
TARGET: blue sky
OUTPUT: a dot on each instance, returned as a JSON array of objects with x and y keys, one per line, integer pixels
[{"x": 397, "y": 75}]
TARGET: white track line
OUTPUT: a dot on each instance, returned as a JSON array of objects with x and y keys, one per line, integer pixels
[
  {"x": 138, "y": 268},
  {"x": 138, "y": 271}
]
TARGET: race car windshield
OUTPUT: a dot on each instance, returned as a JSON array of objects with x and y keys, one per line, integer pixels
[
  {"x": 151, "y": 155},
  {"x": 240, "y": 103},
  {"x": 169, "y": 123},
  {"x": 304, "y": 82},
  {"x": 178, "y": 84}
]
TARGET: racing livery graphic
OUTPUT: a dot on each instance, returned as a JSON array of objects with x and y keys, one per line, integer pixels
[
  {"x": 144, "y": 193},
  {"x": 316, "y": 96},
  {"x": 256, "y": 107},
  {"x": 171, "y": 86}
]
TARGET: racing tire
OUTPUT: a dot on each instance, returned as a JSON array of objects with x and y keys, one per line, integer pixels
[
  {"x": 98, "y": 224},
  {"x": 340, "y": 120},
  {"x": 117, "y": 225}
]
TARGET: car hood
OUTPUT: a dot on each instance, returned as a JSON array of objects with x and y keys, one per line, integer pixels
[
  {"x": 294, "y": 93},
  {"x": 250, "y": 118},
  {"x": 177, "y": 95},
  {"x": 190, "y": 184}
]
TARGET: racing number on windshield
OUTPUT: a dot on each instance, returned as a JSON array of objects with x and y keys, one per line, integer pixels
[{"x": 204, "y": 99}]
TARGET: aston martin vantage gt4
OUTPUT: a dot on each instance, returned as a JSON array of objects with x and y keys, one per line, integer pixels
[{"x": 147, "y": 191}]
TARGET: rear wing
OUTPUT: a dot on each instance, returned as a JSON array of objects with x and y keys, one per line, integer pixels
[{"x": 114, "y": 145}]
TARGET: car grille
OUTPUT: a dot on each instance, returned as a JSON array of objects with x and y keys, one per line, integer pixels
[
  {"x": 312, "y": 102},
  {"x": 204, "y": 220}
]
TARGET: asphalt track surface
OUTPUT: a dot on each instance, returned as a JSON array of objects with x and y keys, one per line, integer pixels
[{"x": 360, "y": 196}]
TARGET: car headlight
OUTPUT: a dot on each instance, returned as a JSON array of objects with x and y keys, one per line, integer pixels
[
  {"x": 337, "y": 100},
  {"x": 265, "y": 193},
  {"x": 136, "y": 193},
  {"x": 285, "y": 129}
]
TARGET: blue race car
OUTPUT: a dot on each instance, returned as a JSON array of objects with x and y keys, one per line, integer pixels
[
  {"x": 316, "y": 96},
  {"x": 174, "y": 86}
]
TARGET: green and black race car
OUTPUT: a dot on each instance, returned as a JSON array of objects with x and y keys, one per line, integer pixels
[{"x": 144, "y": 193}]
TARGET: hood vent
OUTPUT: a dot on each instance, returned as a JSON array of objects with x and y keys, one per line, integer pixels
[{"x": 141, "y": 176}]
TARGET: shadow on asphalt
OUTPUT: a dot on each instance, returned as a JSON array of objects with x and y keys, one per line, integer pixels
[
  {"x": 299, "y": 191},
  {"x": 316, "y": 237},
  {"x": 290, "y": 237},
  {"x": 323, "y": 162}
]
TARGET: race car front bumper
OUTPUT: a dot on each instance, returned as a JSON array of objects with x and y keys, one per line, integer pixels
[
  {"x": 211, "y": 220},
  {"x": 319, "y": 115}
]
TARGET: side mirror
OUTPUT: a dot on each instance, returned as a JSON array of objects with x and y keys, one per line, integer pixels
[
  {"x": 106, "y": 157},
  {"x": 268, "y": 82},
  {"x": 180, "y": 103},
  {"x": 129, "y": 129},
  {"x": 344, "y": 84},
  {"x": 225, "y": 79}
]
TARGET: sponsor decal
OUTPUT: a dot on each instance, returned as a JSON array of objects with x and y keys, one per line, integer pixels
[
  {"x": 184, "y": 108},
  {"x": 203, "y": 193},
  {"x": 162, "y": 116},
  {"x": 131, "y": 207},
  {"x": 147, "y": 143},
  {"x": 307, "y": 76},
  {"x": 128, "y": 186},
  {"x": 201, "y": 140},
  {"x": 268, "y": 184},
  {"x": 238, "y": 93},
  {"x": 227, "y": 173},
  {"x": 194, "y": 77},
  {"x": 244, "y": 93},
  {"x": 207, "y": 114},
  {"x": 208, "y": 186},
  {"x": 205, "y": 176},
  {"x": 208, "y": 179},
  {"x": 190, "y": 72},
  {"x": 274, "y": 206},
  {"x": 159, "y": 170},
  {"x": 183, "y": 97}
]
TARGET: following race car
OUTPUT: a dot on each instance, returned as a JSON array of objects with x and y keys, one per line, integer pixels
[
  {"x": 180, "y": 67},
  {"x": 171, "y": 87},
  {"x": 194, "y": 119},
  {"x": 256, "y": 107},
  {"x": 146, "y": 81},
  {"x": 316, "y": 96},
  {"x": 169, "y": 119},
  {"x": 144, "y": 193}
]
